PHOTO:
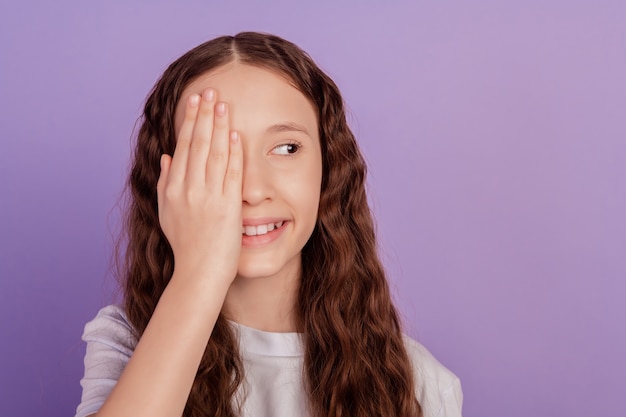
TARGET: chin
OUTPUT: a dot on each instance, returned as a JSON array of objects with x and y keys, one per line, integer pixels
[
  {"x": 255, "y": 268},
  {"x": 256, "y": 272}
]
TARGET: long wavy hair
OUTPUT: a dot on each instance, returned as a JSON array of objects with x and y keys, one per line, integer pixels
[{"x": 355, "y": 362}]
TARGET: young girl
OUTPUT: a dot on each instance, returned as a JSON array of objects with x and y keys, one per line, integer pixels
[{"x": 252, "y": 282}]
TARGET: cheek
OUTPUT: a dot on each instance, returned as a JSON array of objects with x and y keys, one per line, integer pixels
[{"x": 302, "y": 189}]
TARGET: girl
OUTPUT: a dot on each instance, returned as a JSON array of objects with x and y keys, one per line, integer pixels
[{"x": 252, "y": 282}]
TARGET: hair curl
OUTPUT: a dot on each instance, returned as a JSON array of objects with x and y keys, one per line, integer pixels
[{"x": 355, "y": 362}]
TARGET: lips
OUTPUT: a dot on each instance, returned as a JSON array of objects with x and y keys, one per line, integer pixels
[
  {"x": 260, "y": 229},
  {"x": 262, "y": 233}
]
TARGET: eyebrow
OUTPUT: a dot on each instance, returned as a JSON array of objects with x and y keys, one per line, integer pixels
[{"x": 288, "y": 127}]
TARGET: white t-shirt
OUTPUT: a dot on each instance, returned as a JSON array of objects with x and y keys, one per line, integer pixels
[{"x": 272, "y": 362}]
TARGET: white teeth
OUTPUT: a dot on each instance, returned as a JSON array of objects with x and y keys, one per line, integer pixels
[{"x": 261, "y": 229}]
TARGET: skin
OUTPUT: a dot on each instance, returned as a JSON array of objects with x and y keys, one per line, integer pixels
[
  {"x": 232, "y": 165},
  {"x": 276, "y": 184}
]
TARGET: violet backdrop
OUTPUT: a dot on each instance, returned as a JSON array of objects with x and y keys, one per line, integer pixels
[{"x": 495, "y": 133}]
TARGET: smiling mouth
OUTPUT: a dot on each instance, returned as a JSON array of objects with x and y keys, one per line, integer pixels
[{"x": 261, "y": 229}]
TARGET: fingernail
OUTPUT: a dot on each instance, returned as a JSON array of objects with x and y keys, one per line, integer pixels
[
  {"x": 209, "y": 94},
  {"x": 220, "y": 109},
  {"x": 194, "y": 99},
  {"x": 234, "y": 136}
]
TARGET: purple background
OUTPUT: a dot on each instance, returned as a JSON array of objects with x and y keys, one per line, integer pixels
[{"x": 496, "y": 137}]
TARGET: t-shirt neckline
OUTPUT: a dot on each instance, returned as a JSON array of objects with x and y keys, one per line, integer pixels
[{"x": 259, "y": 342}]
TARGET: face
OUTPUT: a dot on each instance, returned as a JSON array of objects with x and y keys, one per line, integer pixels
[{"x": 282, "y": 164}]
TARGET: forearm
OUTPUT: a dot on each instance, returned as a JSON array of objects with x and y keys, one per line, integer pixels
[{"x": 158, "y": 378}]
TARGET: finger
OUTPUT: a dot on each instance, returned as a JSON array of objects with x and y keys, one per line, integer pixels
[
  {"x": 166, "y": 162},
  {"x": 178, "y": 168},
  {"x": 201, "y": 138},
  {"x": 234, "y": 171},
  {"x": 218, "y": 153}
]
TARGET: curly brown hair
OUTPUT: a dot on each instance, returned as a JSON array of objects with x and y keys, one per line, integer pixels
[{"x": 355, "y": 362}]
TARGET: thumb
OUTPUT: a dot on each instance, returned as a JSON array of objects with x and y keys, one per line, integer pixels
[{"x": 165, "y": 163}]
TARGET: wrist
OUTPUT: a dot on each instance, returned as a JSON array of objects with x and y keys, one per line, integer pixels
[{"x": 200, "y": 278}]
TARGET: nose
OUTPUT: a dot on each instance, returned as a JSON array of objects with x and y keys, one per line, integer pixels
[{"x": 257, "y": 184}]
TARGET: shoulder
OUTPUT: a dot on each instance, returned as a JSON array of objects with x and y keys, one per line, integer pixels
[
  {"x": 437, "y": 388},
  {"x": 110, "y": 343},
  {"x": 112, "y": 328}
]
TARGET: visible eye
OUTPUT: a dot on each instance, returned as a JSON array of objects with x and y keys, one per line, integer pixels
[{"x": 286, "y": 149}]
